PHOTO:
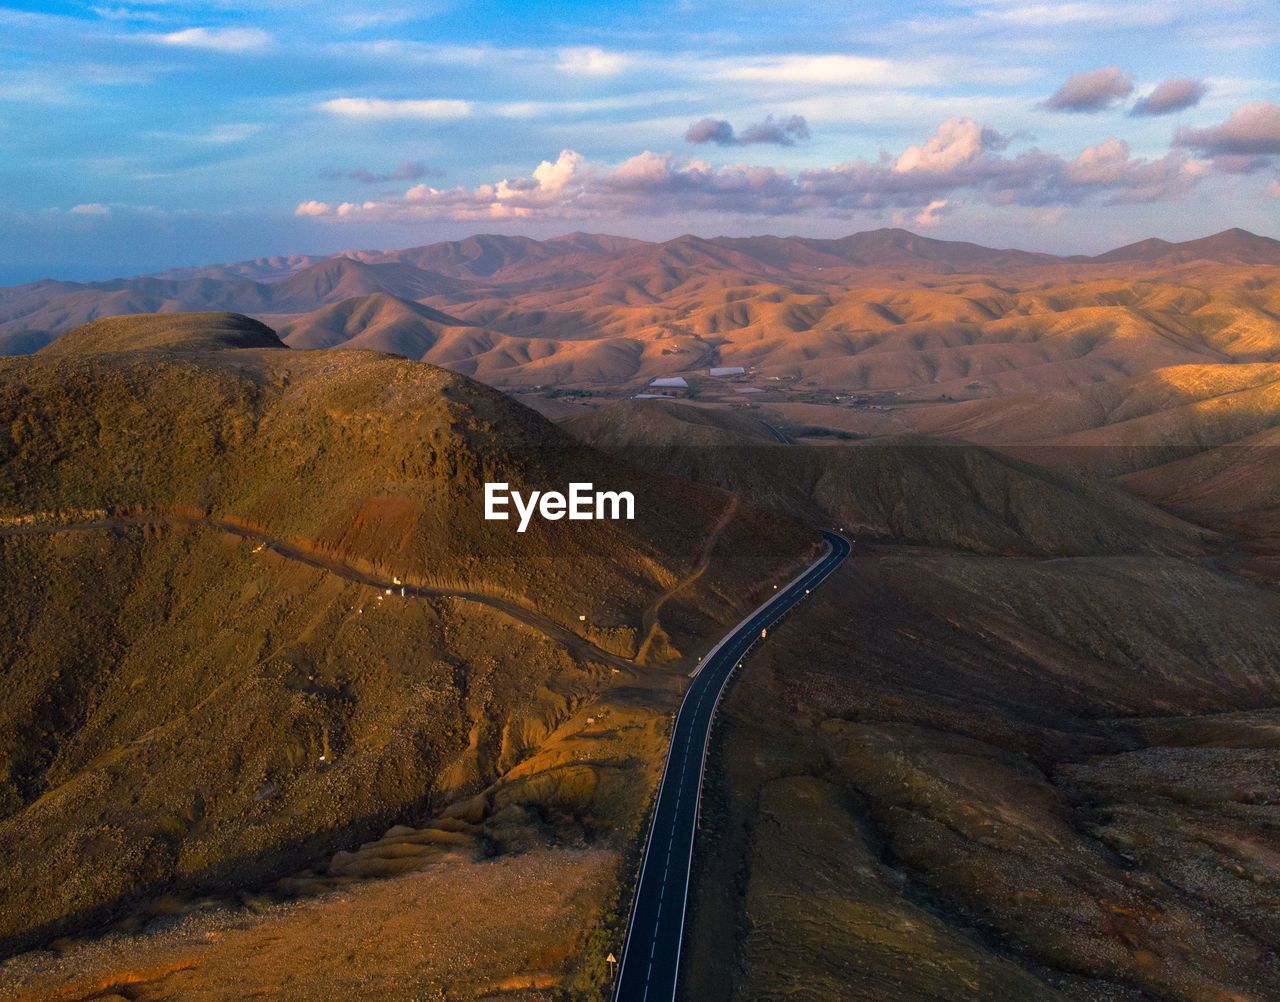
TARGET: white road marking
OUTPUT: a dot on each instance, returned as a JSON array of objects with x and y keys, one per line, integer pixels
[{"x": 821, "y": 570}]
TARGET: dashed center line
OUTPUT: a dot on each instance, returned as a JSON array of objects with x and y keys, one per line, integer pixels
[{"x": 691, "y": 722}]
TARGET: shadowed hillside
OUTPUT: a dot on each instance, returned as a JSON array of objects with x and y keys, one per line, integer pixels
[
  {"x": 1029, "y": 759},
  {"x": 983, "y": 777},
  {"x": 906, "y": 489},
  {"x": 252, "y": 615},
  {"x": 193, "y": 332}
]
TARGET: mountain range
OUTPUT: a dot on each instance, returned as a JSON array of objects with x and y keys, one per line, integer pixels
[
  {"x": 613, "y": 313},
  {"x": 281, "y": 715}
]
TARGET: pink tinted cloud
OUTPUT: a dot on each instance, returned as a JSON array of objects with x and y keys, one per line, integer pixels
[
  {"x": 963, "y": 159},
  {"x": 1172, "y": 95},
  {"x": 1252, "y": 130},
  {"x": 1095, "y": 90},
  {"x": 784, "y": 131}
]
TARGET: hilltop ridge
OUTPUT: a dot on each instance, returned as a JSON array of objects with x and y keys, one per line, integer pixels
[{"x": 165, "y": 332}]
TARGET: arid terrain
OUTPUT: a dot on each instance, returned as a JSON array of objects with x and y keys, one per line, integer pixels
[
  {"x": 253, "y": 621},
  {"x": 992, "y": 777},
  {"x": 282, "y": 716},
  {"x": 1117, "y": 362},
  {"x": 871, "y": 313},
  {"x": 1022, "y": 746}
]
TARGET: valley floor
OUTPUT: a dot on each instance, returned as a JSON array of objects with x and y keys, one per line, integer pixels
[{"x": 470, "y": 928}]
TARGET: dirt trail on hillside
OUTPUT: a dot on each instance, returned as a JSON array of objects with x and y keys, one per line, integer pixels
[
  {"x": 576, "y": 644},
  {"x": 649, "y": 621}
]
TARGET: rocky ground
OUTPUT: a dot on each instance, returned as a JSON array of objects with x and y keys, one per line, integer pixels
[{"x": 973, "y": 777}]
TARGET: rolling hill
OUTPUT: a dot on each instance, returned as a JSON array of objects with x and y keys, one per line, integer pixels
[
  {"x": 252, "y": 614},
  {"x": 378, "y": 322},
  {"x": 886, "y": 312},
  {"x": 1022, "y": 745},
  {"x": 1019, "y": 746}
]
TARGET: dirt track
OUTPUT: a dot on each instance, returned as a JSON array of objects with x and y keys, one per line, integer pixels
[{"x": 579, "y": 645}]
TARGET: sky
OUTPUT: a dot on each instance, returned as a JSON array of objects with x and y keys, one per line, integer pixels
[{"x": 138, "y": 136}]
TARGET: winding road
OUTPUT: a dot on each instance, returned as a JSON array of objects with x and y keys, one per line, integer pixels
[{"x": 651, "y": 954}]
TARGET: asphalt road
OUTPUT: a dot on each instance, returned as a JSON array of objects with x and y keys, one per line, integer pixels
[
  {"x": 776, "y": 434},
  {"x": 651, "y": 955}
]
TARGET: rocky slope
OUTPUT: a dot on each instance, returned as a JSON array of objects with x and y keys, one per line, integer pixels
[{"x": 975, "y": 777}]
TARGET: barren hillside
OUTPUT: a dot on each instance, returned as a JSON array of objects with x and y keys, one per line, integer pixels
[
  {"x": 880, "y": 312},
  {"x": 252, "y": 615}
]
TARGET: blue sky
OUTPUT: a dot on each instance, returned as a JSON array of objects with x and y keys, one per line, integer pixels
[{"x": 138, "y": 136}]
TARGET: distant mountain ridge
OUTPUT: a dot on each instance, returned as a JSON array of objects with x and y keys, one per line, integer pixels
[
  {"x": 500, "y": 257},
  {"x": 490, "y": 255},
  {"x": 882, "y": 310},
  {"x": 1233, "y": 246}
]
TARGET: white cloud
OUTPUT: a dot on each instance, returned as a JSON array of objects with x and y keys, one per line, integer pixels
[
  {"x": 377, "y": 109},
  {"x": 216, "y": 39},
  {"x": 346, "y": 208},
  {"x": 932, "y": 214},
  {"x": 125, "y": 14},
  {"x": 362, "y": 20},
  {"x": 621, "y": 102},
  {"x": 406, "y": 51},
  {"x": 90, "y": 209},
  {"x": 593, "y": 62},
  {"x": 231, "y": 132},
  {"x": 957, "y": 141},
  {"x": 312, "y": 208},
  {"x": 227, "y": 134},
  {"x": 554, "y": 176},
  {"x": 827, "y": 70},
  {"x": 1111, "y": 14}
]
